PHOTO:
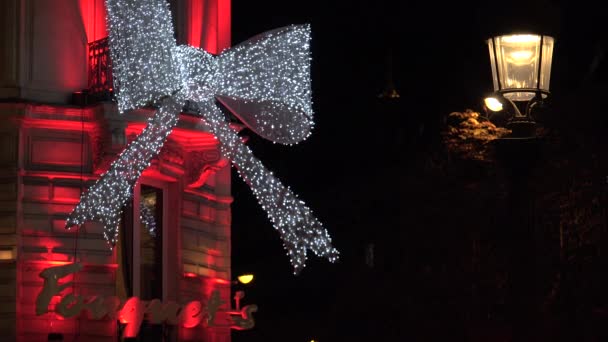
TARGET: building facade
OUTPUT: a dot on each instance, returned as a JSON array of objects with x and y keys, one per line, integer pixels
[{"x": 61, "y": 131}]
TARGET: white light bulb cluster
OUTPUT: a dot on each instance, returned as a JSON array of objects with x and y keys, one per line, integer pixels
[
  {"x": 104, "y": 201},
  {"x": 264, "y": 81},
  {"x": 298, "y": 227},
  {"x": 146, "y": 217}
]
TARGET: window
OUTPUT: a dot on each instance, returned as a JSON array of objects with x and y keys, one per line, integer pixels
[
  {"x": 141, "y": 253},
  {"x": 151, "y": 243}
]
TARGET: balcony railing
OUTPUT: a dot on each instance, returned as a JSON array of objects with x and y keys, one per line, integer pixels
[{"x": 101, "y": 82}]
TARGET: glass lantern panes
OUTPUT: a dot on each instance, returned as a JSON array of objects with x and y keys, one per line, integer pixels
[{"x": 515, "y": 63}]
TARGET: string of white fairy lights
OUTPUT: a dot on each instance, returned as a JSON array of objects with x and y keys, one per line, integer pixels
[
  {"x": 146, "y": 215},
  {"x": 264, "y": 81}
]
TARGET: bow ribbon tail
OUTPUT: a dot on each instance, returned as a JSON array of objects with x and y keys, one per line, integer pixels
[
  {"x": 298, "y": 227},
  {"x": 103, "y": 202}
]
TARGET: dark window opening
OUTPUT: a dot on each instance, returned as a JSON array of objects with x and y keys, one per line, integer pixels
[{"x": 151, "y": 243}]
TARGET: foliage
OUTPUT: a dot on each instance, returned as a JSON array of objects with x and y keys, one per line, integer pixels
[{"x": 469, "y": 135}]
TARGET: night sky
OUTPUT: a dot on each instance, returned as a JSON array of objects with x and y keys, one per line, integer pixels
[{"x": 350, "y": 170}]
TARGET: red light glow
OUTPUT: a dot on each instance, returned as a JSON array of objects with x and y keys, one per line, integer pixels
[
  {"x": 131, "y": 314},
  {"x": 208, "y": 25},
  {"x": 186, "y": 138},
  {"x": 60, "y": 125},
  {"x": 191, "y": 314},
  {"x": 57, "y": 175},
  {"x": 93, "y": 14},
  {"x": 209, "y": 196},
  {"x": 221, "y": 281},
  {"x": 223, "y": 25},
  {"x": 195, "y": 27}
]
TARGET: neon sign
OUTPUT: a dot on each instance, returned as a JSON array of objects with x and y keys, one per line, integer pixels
[{"x": 133, "y": 311}]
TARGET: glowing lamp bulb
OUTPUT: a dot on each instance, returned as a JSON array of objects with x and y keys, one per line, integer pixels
[
  {"x": 245, "y": 278},
  {"x": 493, "y": 104},
  {"x": 522, "y": 57},
  {"x": 521, "y": 38}
]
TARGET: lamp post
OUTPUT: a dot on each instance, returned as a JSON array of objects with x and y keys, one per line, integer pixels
[
  {"x": 245, "y": 278},
  {"x": 238, "y": 295},
  {"x": 521, "y": 68},
  {"x": 521, "y": 73}
]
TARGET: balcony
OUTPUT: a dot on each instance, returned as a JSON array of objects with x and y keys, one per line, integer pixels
[{"x": 101, "y": 82}]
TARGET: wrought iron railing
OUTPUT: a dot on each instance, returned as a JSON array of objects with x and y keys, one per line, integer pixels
[{"x": 101, "y": 82}]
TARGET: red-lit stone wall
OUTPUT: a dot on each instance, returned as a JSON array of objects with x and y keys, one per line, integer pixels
[
  {"x": 43, "y": 43},
  {"x": 51, "y": 151},
  {"x": 207, "y": 24},
  {"x": 51, "y": 154}
]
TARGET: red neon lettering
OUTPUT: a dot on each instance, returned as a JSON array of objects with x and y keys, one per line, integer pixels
[
  {"x": 157, "y": 312},
  {"x": 69, "y": 306},
  {"x": 133, "y": 311},
  {"x": 131, "y": 314},
  {"x": 191, "y": 314},
  {"x": 51, "y": 285}
]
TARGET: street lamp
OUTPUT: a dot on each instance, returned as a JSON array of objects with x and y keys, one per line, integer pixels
[
  {"x": 238, "y": 295},
  {"x": 521, "y": 71},
  {"x": 245, "y": 278}
]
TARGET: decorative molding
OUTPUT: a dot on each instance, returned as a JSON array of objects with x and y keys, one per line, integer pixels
[
  {"x": 57, "y": 151},
  {"x": 53, "y": 64},
  {"x": 197, "y": 165},
  {"x": 172, "y": 153},
  {"x": 200, "y": 193}
]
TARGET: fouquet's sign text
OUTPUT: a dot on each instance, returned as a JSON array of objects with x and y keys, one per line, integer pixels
[{"x": 133, "y": 311}]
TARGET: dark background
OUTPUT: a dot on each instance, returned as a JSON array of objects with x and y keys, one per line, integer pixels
[{"x": 375, "y": 171}]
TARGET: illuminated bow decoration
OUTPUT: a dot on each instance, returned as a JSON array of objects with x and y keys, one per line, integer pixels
[{"x": 264, "y": 81}]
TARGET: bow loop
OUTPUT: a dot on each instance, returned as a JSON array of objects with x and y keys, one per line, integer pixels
[
  {"x": 265, "y": 82},
  {"x": 143, "y": 73}
]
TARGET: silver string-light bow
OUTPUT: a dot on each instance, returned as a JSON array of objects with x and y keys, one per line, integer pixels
[{"x": 264, "y": 81}]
